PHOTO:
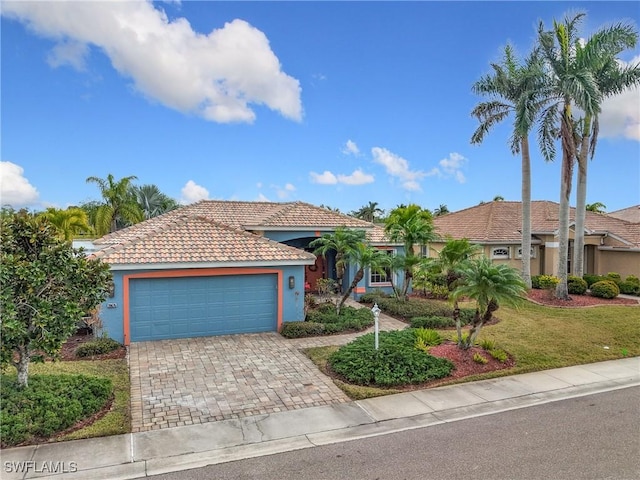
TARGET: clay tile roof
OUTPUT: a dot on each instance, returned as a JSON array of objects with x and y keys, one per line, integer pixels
[
  {"x": 630, "y": 214},
  {"x": 304, "y": 215},
  {"x": 180, "y": 239},
  {"x": 496, "y": 222}
]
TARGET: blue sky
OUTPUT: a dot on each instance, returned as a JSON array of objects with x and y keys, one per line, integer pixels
[{"x": 334, "y": 103}]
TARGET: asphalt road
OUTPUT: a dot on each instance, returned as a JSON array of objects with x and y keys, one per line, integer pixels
[{"x": 592, "y": 437}]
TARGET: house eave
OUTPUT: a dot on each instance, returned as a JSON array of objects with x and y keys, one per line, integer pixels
[{"x": 186, "y": 265}]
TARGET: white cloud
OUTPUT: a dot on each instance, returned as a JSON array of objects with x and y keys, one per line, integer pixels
[
  {"x": 398, "y": 167},
  {"x": 192, "y": 192},
  {"x": 262, "y": 198},
  {"x": 358, "y": 177},
  {"x": 215, "y": 75},
  {"x": 15, "y": 189},
  {"x": 452, "y": 167},
  {"x": 351, "y": 148},
  {"x": 620, "y": 115},
  {"x": 325, "y": 178},
  {"x": 284, "y": 192},
  {"x": 69, "y": 53}
]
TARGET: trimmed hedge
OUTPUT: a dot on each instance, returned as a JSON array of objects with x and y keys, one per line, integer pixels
[
  {"x": 605, "y": 289},
  {"x": 325, "y": 321},
  {"x": 50, "y": 404},
  {"x": 421, "y": 307},
  {"x": 396, "y": 362},
  {"x": 432, "y": 322}
]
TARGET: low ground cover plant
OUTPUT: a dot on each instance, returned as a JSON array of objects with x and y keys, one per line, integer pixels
[
  {"x": 396, "y": 362},
  {"x": 416, "y": 311},
  {"x": 48, "y": 405},
  {"x": 324, "y": 320}
]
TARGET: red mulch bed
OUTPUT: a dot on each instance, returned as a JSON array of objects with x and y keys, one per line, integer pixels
[{"x": 544, "y": 297}]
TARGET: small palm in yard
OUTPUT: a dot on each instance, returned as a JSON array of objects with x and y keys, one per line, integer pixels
[
  {"x": 364, "y": 256},
  {"x": 489, "y": 285}
]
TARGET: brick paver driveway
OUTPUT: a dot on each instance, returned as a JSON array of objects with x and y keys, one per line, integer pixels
[{"x": 198, "y": 380}]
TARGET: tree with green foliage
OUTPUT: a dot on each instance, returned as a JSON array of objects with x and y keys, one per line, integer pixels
[
  {"x": 572, "y": 63},
  {"x": 516, "y": 88},
  {"x": 152, "y": 201},
  {"x": 369, "y": 213},
  {"x": 596, "y": 207},
  {"x": 441, "y": 210},
  {"x": 119, "y": 207},
  {"x": 46, "y": 286},
  {"x": 410, "y": 225},
  {"x": 490, "y": 285},
  {"x": 69, "y": 223},
  {"x": 363, "y": 257},
  {"x": 341, "y": 241},
  {"x": 598, "y": 56}
]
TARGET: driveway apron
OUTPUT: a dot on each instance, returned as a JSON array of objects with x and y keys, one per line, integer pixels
[{"x": 198, "y": 380}]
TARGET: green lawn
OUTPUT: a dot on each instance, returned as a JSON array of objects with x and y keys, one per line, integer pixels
[
  {"x": 541, "y": 338},
  {"x": 118, "y": 419}
]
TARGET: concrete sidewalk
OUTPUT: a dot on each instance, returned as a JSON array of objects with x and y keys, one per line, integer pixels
[{"x": 160, "y": 451}]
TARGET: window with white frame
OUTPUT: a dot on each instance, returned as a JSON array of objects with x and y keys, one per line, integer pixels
[
  {"x": 424, "y": 251},
  {"x": 532, "y": 255},
  {"x": 500, "y": 252},
  {"x": 383, "y": 276}
]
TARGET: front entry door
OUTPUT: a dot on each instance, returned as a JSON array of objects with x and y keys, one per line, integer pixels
[{"x": 312, "y": 273}]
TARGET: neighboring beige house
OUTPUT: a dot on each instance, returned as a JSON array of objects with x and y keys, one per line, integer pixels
[{"x": 611, "y": 244}]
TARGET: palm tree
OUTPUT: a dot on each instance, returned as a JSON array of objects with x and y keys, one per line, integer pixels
[
  {"x": 152, "y": 201},
  {"x": 363, "y": 256},
  {"x": 574, "y": 84},
  {"x": 600, "y": 58},
  {"x": 369, "y": 212},
  {"x": 69, "y": 223},
  {"x": 119, "y": 207},
  {"x": 441, "y": 210},
  {"x": 490, "y": 285},
  {"x": 451, "y": 260},
  {"x": 342, "y": 241},
  {"x": 412, "y": 226},
  {"x": 597, "y": 207},
  {"x": 517, "y": 89}
]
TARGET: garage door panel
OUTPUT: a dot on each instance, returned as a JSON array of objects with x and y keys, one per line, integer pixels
[{"x": 177, "y": 307}]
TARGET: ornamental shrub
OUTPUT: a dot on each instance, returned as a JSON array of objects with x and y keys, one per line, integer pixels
[
  {"x": 591, "y": 278},
  {"x": 576, "y": 285},
  {"x": 548, "y": 282},
  {"x": 633, "y": 279},
  {"x": 97, "y": 347},
  {"x": 605, "y": 289},
  {"x": 535, "y": 282},
  {"x": 372, "y": 297},
  {"x": 432, "y": 322},
  {"x": 614, "y": 276},
  {"x": 325, "y": 320},
  {"x": 396, "y": 362},
  {"x": 629, "y": 288}
]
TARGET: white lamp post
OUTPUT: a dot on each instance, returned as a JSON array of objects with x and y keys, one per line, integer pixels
[{"x": 376, "y": 314}]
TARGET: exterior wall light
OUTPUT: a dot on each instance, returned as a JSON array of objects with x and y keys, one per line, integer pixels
[{"x": 292, "y": 282}]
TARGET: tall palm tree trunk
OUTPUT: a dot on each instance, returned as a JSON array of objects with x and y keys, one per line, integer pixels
[
  {"x": 356, "y": 279},
  {"x": 526, "y": 212},
  {"x": 581, "y": 199},
  {"x": 566, "y": 175}
]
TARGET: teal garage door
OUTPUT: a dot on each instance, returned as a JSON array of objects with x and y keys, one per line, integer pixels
[{"x": 161, "y": 308}]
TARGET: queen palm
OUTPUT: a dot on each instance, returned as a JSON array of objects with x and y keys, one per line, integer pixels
[
  {"x": 341, "y": 241},
  {"x": 519, "y": 90},
  {"x": 119, "y": 206},
  {"x": 490, "y": 285},
  {"x": 572, "y": 64},
  {"x": 612, "y": 78},
  {"x": 412, "y": 226}
]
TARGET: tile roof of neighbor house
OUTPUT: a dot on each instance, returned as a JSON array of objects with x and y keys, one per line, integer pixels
[
  {"x": 199, "y": 240},
  {"x": 214, "y": 231},
  {"x": 501, "y": 222},
  {"x": 630, "y": 214}
]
